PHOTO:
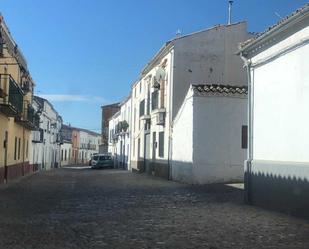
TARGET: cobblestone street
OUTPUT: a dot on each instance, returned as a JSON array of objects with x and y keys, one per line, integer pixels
[{"x": 84, "y": 208}]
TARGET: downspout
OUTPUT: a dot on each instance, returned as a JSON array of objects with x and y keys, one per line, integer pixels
[
  {"x": 248, "y": 162},
  {"x": 170, "y": 150},
  {"x": 23, "y": 164}
]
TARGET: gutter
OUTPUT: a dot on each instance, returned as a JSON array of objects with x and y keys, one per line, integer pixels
[
  {"x": 284, "y": 24},
  {"x": 248, "y": 162}
]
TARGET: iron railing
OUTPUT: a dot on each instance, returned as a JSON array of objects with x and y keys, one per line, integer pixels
[
  {"x": 12, "y": 96},
  {"x": 15, "y": 95}
]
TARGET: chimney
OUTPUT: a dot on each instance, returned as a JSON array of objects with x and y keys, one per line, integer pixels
[{"x": 230, "y": 11}]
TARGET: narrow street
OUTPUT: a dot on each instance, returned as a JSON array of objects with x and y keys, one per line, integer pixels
[{"x": 84, "y": 208}]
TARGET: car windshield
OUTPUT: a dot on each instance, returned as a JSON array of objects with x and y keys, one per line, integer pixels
[
  {"x": 95, "y": 158},
  {"x": 102, "y": 158}
]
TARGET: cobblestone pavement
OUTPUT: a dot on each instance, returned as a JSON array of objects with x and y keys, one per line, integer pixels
[{"x": 84, "y": 208}]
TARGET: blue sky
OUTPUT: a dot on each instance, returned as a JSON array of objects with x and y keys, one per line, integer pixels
[{"x": 86, "y": 53}]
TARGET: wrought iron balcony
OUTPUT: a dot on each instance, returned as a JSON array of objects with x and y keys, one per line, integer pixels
[
  {"x": 26, "y": 86},
  {"x": 29, "y": 118},
  {"x": 59, "y": 139},
  {"x": 11, "y": 102}
]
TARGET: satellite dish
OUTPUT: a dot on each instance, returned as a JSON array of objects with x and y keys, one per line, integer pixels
[{"x": 160, "y": 74}]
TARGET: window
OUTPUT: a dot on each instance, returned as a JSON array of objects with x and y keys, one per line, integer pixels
[
  {"x": 61, "y": 155},
  {"x": 244, "y": 137},
  {"x": 15, "y": 151},
  {"x": 154, "y": 100},
  {"x": 19, "y": 142},
  {"x": 65, "y": 155},
  {"x": 140, "y": 87},
  {"x": 161, "y": 144},
  {"x": 142, "y": 108}
]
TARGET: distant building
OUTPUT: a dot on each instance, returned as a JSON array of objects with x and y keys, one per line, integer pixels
[
  {"x": 79, "y": 145},
  {"x": 66, "y": 153},
  {"x": 107, "y": 112},
  {"x": 89, "y": 145},
  {"x": 46, "y": 142},
  {"x": 277, "y": 169},
  {"x": 119, "y": 135}
]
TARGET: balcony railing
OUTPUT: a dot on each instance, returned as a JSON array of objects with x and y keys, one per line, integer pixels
[
  {"x": 12, "y": 96},
  {"x": 122, "y": 126},
  {"x": 59, "y": 139},
  {"x": 26, "y": 86},
  {"x": 29, "y": 119}
]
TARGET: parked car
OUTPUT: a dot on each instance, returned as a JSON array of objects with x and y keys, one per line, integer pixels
[
  {"x": 93, "y": 157},
  {"x": 102, "y": 161}
]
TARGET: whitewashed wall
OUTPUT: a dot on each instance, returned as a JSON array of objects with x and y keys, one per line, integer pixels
[
  {"x": 217, "y": 127},
  {"x": 66, "y": 149},
  {"x": 281, "y": 101},
  {"x": 182, "y": 143},
  {"x": 208, "y": 57},
  {"x": 207, "y": 140}
]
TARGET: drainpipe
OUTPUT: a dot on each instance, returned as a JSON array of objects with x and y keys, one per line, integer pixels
[
  {"x": 23, "y": 164},
  {"x": 248, "y": 162},
  {"x": 171, "y": 78}
]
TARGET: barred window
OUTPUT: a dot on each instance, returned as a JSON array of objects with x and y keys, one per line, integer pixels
[{"x": 154, "y": 100}]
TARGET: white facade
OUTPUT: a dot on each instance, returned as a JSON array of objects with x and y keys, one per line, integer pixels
[
  {"x": 207, "y": 137},
  {"x": 119, "y": 135},
  {"x": 206, "y": 56},
  {"x": 66, "y": 153},
  {"x": 278, "y": 166},
  {"x": 89, "y": 145},
  {"x": 45, "y": 149}
]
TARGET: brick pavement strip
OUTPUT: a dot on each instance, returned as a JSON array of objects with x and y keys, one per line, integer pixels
[{"x": 84, "y": 208}]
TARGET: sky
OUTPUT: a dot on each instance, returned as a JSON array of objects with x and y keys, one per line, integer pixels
[{"x": 83, "y": 54}]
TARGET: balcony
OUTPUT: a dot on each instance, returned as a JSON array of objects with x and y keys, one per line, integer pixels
[
  {"x": 121, "y": 127},
  {"x": 59, "y": 139},
  {"x": 29, "y": 119},
  {"x": 11, "y": 102},
  {"x": 38, "y": 136},
  {"x": 26, "y": 86},
  {"x": 160, "y": 116}
]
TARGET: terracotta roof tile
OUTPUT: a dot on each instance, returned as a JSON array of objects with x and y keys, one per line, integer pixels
[
  {"x": 283, "y": 21},
  {"x": 220, "y": 89}
]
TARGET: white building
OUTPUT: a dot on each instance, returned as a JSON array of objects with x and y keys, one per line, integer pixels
[
  {"x": 66, "y": 153},
  {"x": 210, "y": 135},
  {"x": 45, "y": 149},
  {"x": 277, "y": 171},
  {"x": 119, "y": 135},
  {"x": 89, "y": 145},
  {"x": 159, "y": 93}
]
